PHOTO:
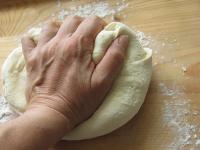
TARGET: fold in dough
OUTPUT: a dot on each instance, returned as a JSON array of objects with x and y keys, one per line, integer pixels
[{"x": 121, "y": 103}]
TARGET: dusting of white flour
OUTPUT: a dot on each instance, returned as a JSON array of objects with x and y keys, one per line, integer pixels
[
  {"x": 176, "y": 112},
  {"x": 5, "y": 111},
  {"x": 98, "y": 8}
]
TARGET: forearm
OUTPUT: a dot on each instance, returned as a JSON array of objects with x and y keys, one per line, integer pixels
[{"x": 33, "y": 130}]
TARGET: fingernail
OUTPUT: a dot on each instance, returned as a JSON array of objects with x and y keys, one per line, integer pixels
[{"x": 123, "y": 41}]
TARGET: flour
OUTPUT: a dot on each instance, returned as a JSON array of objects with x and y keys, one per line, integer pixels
[
  {"x": 184, "y": 68},
  {"x": 5, "y": 112},
  {"x": 198, "y": 142},
  {"x": 176, "y": 112},
  {"x": 98, "y": 8},
  {"x": 178, "y": 115}
]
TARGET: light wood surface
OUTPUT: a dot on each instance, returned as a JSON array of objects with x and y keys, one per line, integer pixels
[{"x": 172, "y": 107}]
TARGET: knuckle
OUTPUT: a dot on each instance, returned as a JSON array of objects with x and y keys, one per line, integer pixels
[
  {"x": 94, "y": 18},
  {"x": 70, "y": 48},
  {"x": 71, "y": 44},
  {"x": 85, "y": 42},
  {"x": 48, "y": 25},
  {"x": 97, "y": 19},
  {"x": 51, "y": 25},
  {"x": 72, "y": 54},
  {"x": 31, "y": 61},
  {"x": 75, "y": 18},
  {"x": 50, "y": 48}
]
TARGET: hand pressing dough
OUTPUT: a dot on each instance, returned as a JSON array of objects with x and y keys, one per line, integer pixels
[{"x": 121, "y": 103}]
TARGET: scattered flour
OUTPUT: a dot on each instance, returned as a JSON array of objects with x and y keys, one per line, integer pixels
[
  {"x": 176, "y": 112},
  {"x": 99, "y": 8},
  {"x": 198, "y": 142},
  {"x": 5, "y": 112},
  {"x": 144, "y": 40},
  {"x": 184, "y": 68}
]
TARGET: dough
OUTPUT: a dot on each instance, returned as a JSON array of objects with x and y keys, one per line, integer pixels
[{"x": 121, "y": 103}]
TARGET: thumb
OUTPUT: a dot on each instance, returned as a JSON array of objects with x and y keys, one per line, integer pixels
[
  {"x": 27, "y": 46},
  {"x": 111, "y": 64}
]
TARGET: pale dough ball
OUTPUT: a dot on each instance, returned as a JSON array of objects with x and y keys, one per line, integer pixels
[{"x": 121, "y": 103}]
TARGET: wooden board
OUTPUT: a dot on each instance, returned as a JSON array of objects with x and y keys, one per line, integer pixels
[{"x": 170, "y": 117}]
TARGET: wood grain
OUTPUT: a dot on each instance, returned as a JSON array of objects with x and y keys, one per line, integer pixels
[{"x": 174, "y": 27}]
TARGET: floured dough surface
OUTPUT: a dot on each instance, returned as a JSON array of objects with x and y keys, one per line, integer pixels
[{"x": 121, "y": 103}]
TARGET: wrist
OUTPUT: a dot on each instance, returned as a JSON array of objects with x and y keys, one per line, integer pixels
[
  {"x": 37, "y": 128},
  {"x": 56, "y": 105},
  {"x": 49, "y": 118}
]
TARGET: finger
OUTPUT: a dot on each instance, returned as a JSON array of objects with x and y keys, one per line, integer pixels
[
  {"x": 111, "y": 64},
  {"x": 88, "y": 29},
  {"x": 48, "y": 32},
  {"x": 70, "y": 25},
  {"x": 27, "y": 46}
]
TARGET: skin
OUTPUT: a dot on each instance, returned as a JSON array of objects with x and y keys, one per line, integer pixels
[{"x": 64, "y": 85}]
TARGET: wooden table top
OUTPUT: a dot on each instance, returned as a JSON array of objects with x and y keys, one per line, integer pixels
[{"x": 170, "y": 116}]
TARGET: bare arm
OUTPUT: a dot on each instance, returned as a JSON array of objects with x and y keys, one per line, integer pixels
[
  {"x": 34, "y": 130},
  {"x": 64, "y": 85}
]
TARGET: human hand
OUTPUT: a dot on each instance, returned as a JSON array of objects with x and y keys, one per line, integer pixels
[{"x": 61, "y": 74}]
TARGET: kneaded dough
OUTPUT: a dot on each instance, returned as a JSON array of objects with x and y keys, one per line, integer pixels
[{"x": 121, "y": 103}]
